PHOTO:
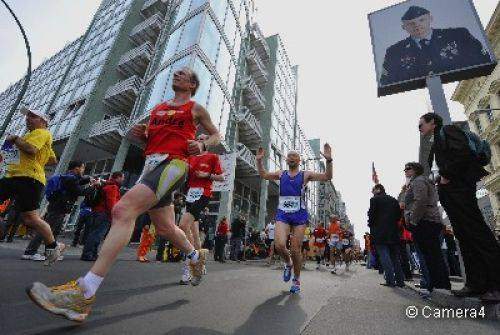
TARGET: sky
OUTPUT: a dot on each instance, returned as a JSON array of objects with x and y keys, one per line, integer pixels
[{"x": 337, "y": 88}]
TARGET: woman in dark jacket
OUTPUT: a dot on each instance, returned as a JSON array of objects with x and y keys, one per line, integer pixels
[{"x": 424, "y": 221}]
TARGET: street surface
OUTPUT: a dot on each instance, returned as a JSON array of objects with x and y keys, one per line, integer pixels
[{"x": 245, "y": 298}]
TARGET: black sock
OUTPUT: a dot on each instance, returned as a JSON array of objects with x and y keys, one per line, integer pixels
[{"x": 53, "y": 245}]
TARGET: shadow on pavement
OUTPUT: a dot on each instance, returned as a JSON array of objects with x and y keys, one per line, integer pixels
[{"x": 86, "y": 327}]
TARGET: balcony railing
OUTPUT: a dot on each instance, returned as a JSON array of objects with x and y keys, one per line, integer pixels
[
  {"x": 122, "y": 95},
  {"x": 259, "y": 42},
  {"x": 257, "y": 67},
  {"x": 147, "y": 30},
  {"x": 254, "y": 98},
  {"x": 245, "y": 162},
  {"x": 108, "y": 133},
  {"x": 136, "y": 61},
  {"x": 250, "y": 131},
  {"x": 152, "y": 7}
]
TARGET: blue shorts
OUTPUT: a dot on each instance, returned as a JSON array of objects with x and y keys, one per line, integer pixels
[{"x": 293, "y": 219}]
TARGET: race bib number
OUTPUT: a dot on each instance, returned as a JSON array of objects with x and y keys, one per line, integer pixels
[
  {"x": 194, "y": 194},
  {"x": 10, "y": 154},
  {"x": 335, "y": 238},
  {"x": 345, "y": 241},
  {"x": 320, "y": 240},
  {"x": 289, "y": 204},
  {"x": 152, "y": 161}
]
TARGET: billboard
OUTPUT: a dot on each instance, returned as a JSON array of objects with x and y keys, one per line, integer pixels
[{"x": 420, "y": 38}]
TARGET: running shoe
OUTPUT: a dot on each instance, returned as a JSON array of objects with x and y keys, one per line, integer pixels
[
  {"x": 186, "y": 275},
  {"x": 197, "y": 268},
  {"x": 26, "y": 257},
  {"x": 287, "y": 273},
  {"x": 40, "y": 258},
  {"x": 66, "y": 300},
  {"x": 52, "y": 255},
  {"x": 295, "y": 286}
]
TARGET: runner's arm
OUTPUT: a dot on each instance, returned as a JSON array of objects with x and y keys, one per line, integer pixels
[
  {"x": 262, "y": 171},
  {"x": 203, "y": 117},
  {"x": 24, "y": 146},
  {"x": 328, "y": 174}
]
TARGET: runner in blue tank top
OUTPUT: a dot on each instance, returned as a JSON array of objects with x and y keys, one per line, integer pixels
[{"x": 292, "y": 216}]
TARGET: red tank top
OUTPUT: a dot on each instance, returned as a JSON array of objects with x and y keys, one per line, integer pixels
[{"x": 170, "y": 128}]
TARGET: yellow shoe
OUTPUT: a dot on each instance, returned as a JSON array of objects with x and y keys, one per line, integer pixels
[
  {"x": 197, "y": 268},
  {"x": 66, "y": 300}
]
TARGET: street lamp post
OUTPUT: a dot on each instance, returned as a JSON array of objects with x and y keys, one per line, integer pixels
[{"x": 8, "y": 117}]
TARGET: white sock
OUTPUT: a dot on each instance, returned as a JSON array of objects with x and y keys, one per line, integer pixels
[{"x": 90, "y": 283}]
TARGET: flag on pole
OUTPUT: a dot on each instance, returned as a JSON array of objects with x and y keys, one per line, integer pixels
[{"x": 374, "y": 175}]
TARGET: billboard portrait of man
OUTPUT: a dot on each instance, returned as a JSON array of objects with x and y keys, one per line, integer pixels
[{"x": 428, "y": 50}]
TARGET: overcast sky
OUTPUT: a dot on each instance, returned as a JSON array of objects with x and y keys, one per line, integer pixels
[{"x": 337, "y": 90}]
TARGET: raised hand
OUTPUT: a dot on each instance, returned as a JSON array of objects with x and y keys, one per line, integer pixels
[
  {"x": 195, "y": 147},
  {"x": 327, "y": 151},
  {"x": 260, "y": 154}
]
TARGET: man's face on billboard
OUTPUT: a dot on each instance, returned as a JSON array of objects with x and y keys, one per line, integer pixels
[{"x": 419, "y": 27}]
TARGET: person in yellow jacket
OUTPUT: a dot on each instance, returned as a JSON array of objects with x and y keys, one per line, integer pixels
[{"x": 25, "y": 158}]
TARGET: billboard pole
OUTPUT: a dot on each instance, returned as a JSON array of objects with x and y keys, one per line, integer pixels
[{"x": 438, "y": 99}]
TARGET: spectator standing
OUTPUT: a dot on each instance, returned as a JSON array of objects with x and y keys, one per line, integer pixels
[
  {"x": 424, "y": 221},
  {"x": 383, "y": 217},
  {"x": 62, "y": 192},
  {"x": 460, "y": 168},
  {"x": 83, "y": 218},
  {"x": 237, "y": 235},
  {"x": 101, "y": 215},
  {"x": 221, "y": 240}
]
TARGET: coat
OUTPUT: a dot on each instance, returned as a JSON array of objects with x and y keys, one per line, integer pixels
[
  {"x": 383, "y": 217},
  {"x": 421, "y": 201}
]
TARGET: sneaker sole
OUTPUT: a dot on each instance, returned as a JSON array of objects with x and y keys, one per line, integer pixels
[{"x": 69, "y": 315}]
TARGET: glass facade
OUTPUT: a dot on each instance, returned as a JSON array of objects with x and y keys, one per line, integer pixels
[
  {"x": 205, "y": 35},
  {"x": 45, "y": 80}
]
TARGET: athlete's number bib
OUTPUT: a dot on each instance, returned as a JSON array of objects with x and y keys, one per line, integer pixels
[
  {"x": 289, "y": 204},
  {"x": 334, "y": 240},
  {"x": 152, "y": 161},
  {"x": 320, "y": 240},
  {"x": 10, "y": 154},
  {"x": 345, "y": 241},
  {"x": 194, "y": 194}
]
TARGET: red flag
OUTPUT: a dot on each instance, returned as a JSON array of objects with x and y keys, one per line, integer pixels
[{"x": 374, "y": 175}]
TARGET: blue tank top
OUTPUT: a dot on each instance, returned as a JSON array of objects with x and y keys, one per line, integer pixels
[
  {"x": 292, "y": 187},
  {"x": 292, "y": 193}
]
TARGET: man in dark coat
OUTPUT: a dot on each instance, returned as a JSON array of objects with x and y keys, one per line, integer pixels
[
  {"x": 459, "y": 172},
  {"x": 430, "y": 51},
  {"x": 383, "y": 217}
]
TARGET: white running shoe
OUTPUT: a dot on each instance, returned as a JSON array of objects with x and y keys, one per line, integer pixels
[
  {"x": 27, "y": 257},
  {"x": 38, "y": 258}
]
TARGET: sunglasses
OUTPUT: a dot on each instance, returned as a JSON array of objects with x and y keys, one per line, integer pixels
[
  {"x": 420, "y": 125},
  {"x": 407, "y": 169}
]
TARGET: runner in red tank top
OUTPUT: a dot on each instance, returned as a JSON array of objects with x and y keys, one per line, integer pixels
[
  {"x": 204, "y": 169},
  {"x": 169, "y": 139}
]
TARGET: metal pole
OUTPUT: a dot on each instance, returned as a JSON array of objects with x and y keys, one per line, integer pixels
[
  {"x": 438, "y": 99},
  {"x": 27, "y": 78}
]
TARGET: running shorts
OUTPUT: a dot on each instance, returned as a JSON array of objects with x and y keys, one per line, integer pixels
[
  {"x": 195, "y": 208},
  {"x": 165, "y": 179},
  {"x": 293, "y": 219},
  {"x": 26, "y": 192}
]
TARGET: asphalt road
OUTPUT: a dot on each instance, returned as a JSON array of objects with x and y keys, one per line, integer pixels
[{"x": 245, "y": 298}]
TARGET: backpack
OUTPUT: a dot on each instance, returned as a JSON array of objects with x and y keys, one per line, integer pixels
[
  {"x": 479, "y": 148},
  {"x": 94, "y": 196},
  {"x": 54, "y": 188}
]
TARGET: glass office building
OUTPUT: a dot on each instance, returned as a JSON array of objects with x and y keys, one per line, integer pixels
[{"x": 100, "y": 85}]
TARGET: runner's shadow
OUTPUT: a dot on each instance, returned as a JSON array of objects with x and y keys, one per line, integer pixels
[
  {"x": 193, "y": 330},
  {"x": 92, "y": 325},
  {"x": 274, "y": 317},
  {"x": 118, "y": 296}
]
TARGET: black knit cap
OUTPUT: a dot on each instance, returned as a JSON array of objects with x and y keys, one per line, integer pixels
[{"x": 414, "y": 12}]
